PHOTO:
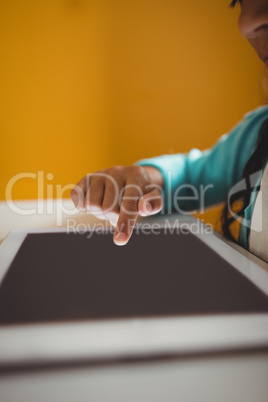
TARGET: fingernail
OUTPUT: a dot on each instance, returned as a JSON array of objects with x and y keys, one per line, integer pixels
[
  {"x": 120, "y": 238},
  {"x": 148, "y": 207}
]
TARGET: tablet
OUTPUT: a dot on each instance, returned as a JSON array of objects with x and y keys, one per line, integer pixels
[{"x": 68, "y": 296}]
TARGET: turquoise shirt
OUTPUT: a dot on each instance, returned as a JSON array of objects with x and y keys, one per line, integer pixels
[{"x": 202, "y": 179}]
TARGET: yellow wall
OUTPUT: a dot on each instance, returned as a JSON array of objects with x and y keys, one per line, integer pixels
[{"x": 86, "y": 84}]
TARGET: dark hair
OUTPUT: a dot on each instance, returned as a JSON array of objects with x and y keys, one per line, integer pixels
[
  {"x": 253, "y": 165},
  {"x": 233, "y": 3}
]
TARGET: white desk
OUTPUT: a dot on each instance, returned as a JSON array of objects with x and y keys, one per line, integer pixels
[
  {"x": 49, "y": 214},
  {"x": 226, "y": 377}
]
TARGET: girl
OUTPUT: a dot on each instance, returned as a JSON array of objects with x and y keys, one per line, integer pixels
[{"x": 234, "y": 169}]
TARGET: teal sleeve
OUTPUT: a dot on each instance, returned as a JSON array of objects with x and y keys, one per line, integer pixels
[{"x": 201, "y": 179}]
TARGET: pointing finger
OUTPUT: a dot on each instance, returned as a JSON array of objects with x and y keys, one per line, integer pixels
[{"x": 128, "y": 214}]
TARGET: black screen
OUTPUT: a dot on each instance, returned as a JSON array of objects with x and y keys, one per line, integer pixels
[{"x": 63, "y": 277}]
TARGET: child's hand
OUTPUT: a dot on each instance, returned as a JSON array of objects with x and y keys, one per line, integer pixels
[{"x": 120, "y": 194}]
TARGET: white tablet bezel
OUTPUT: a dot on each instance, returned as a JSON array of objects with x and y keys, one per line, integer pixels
[{"x": 135, "y": 338}]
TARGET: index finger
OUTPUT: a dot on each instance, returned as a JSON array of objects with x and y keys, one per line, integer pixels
[{"x": 128, "y": 214}]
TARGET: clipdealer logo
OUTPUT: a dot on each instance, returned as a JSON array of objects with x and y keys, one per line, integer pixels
[{"x": 176, "y": 200}]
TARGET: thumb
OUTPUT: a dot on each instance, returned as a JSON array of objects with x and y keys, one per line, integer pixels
[{"x": 150, "y": 203}]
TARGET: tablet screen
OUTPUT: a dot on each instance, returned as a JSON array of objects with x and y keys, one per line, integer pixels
[{"x": 67, "y": 277}]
